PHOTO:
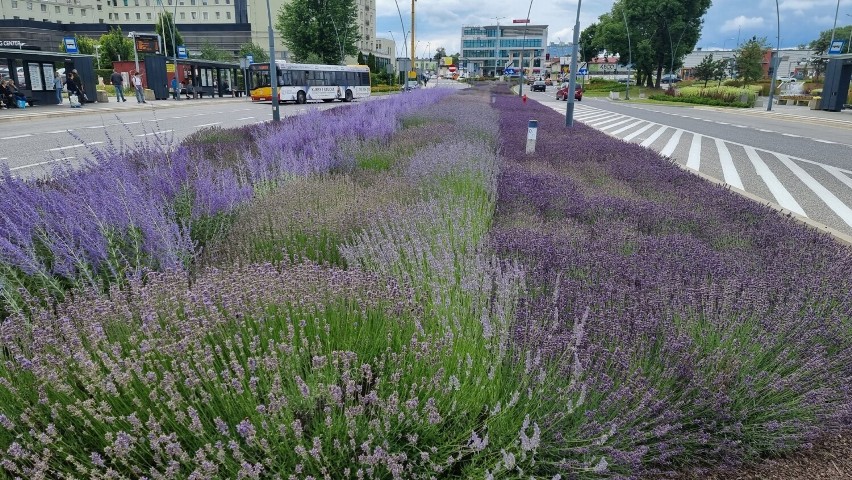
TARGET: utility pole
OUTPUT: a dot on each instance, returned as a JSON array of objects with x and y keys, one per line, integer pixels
[
  {"x": 412, "y": 74},
  {"x": 523, "y": 45},
  {"x": 775, "y": 62},
  {"x": 273, "y": 70},
  {"x": 497, "y": 44},
  {"x": 572, "y": 82},
  {"x": 630, "y": 51}
]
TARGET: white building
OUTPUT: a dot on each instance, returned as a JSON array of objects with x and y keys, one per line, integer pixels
[{"x": 494, "y": 47}]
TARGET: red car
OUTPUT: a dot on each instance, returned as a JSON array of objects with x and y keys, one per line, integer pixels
[{"x": 562, "y": 93}]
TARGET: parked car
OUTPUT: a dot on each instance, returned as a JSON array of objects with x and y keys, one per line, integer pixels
[
  {"x": 539, "y": 86},
  {"x": 670, "y": 78},
  {"x": 787, "y": 79},
  {"x": 562, "y": 93},
  {"x": 627, "y": 81}
]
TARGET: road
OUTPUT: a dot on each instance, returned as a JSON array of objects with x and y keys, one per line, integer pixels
[
  {"x": 31, "y": 146},
  {"x": 800, "y": 163}
]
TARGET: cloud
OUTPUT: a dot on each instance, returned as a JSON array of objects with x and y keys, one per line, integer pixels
[{"x": 740, "y": 22}]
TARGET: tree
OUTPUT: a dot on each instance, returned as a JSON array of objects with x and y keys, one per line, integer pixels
[
  {"x": 719, "y": 68},
  {"x": 257, "y": 52},
  {"x": 115, "y": 46},
  {"x": 361, "y": 59},
  {"x": 208, "y": 51},
  {"x": 706, "y": 69},
  {"x": 371, "y": 62},
  {"x": 325, "y": 28},
  {"x": 440, "y": 53},
  {"x": 821, "y": 44},
  {"x": 164, "y": 27},
  {"x": 588, "y": 49},
  {"x": 749, "y": 59}
]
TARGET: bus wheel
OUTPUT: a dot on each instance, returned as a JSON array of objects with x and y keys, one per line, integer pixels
[
  {"x": 348, "y": 95},
  {"x": 300, "y": 98}
]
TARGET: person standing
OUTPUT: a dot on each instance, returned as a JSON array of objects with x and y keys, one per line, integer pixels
[
  {"x": 137, "y": 83},
  {"x": 175, "y": 88},
  {"x": 118, "y": 82},
  {"x": 57, "y": 86},
  {"x": 81, "y": 90}
]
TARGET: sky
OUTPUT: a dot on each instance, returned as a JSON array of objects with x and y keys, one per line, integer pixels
[{"x": 439, "y": 22}]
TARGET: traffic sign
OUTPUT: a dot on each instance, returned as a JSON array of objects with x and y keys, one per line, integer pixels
[
  {"x": 508, "y": 71},
  {"x": 836, "y": 47},
  {"x": 250, "y": 58},
  {"x": 181, "y": 52},
  {"x": 71, "y": 45},
  {"x": 583, "y": 71}
]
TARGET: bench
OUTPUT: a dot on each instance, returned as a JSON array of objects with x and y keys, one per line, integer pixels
[
  {"x": 237, "y": 93},
  {"x": 794, "y": 99}
]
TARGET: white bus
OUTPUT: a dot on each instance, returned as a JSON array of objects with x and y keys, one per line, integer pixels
[{"x": 300, "y": 82}]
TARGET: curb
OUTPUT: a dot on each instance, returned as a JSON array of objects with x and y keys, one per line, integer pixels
[{"x": 101, "y": 108}]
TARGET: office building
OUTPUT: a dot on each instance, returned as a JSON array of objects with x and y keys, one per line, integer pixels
[{"x": 492, "y": 48}]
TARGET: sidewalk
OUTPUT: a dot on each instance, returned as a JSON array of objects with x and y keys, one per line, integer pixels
[
  {"x": 65, "y": 110},
  {"x": 793, "y": 112}
]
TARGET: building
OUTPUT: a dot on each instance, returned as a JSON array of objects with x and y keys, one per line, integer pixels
[
  {"x": 792, "y": 62},
  {"x": 495, "y": 47},
  {"x": 226, "y": 24}
]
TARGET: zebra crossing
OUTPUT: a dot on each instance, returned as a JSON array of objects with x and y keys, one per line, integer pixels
[{"x": 806, "y": 187}]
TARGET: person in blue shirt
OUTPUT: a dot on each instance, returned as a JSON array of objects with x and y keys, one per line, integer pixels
[{"x": 175, "y": 88}]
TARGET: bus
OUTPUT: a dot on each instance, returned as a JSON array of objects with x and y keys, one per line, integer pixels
[{"x": 300, "y": 82}]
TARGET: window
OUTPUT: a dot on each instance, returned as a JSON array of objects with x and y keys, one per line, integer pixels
[
  {"x": 43, "y": 7},
  {"x": 29, "y": 5},
  {"x": 136, "y": 2},
  {"x": 100, "y": 7},
  {"x": 56, "y": 9},
  {"x": 70, "y": 10},
  {"x": 170, "y": 2},
  {"x": 147, "y": 3},
  {"x": 204, "y": 2},
  {"x": 15, "y": 5},
  {"x": 138, "y": 16},
  {"x": 127, "y": 16},
  {"x": 228, "y": 14},
  {"x": 125, "y": 3},
  {"x": 82, "y": 12},
  {"x": 192, "y": 2},
  {"x": 194, "y": 15},
  {"x": 149, "y": 16},
  {"x": 182, "y": 16},
  {"x": 204, "y": 15},
  {"x": 218, "y": 15}
]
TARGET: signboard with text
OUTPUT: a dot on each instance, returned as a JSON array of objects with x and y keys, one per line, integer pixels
[
  {"x": 147, "y": 43},
  {"x": 181, "y": 52},
  {"x": 70, "y": 45},
  {"x": 521, "y": 20},
  {"x": 836, "y": 47}
]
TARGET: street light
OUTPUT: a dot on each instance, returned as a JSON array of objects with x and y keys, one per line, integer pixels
[
  {"x": 777, "y": 57},
  {"x": 273, "y": 71},
  {"x": 572, "y": 81},
  {"x": 98, "y": 54},
  {"x": 849, "y": 43},
  {"x": 630, "y": 51},
  {"x": 174, "y": 45},
  {"x": 726, "y": 41}
]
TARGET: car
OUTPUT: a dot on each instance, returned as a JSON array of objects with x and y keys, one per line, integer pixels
[
  {"x": 411, "y": 85},
  {"x": 627, "y": 81},
  {"x": 787, "y": 79},
  {"x": 539, "y": 86},
  {"x": 670, "y": 78},
  {"x": 562, "y": 93}
]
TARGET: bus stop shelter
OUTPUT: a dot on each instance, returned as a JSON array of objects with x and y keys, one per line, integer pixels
[
  {"x": 33, "y": 71},
  {"x": 206, "y": 77},
  {"x": 837, "y": 77}
]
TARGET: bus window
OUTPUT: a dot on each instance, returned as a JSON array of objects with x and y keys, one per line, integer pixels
[{"x": 365, "y": 79}]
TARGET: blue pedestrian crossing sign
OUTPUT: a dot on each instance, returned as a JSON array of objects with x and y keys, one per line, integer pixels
[
  {"x": 508, "y": 71},
  {"x": 71, "y": 45}
]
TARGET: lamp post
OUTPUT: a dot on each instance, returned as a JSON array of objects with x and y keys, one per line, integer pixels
[
  {"x": 630, "y": 52},
  {"x": 273, "y": 71},
  {"x": 572, "y": 82},
  {"x": 135, "y": 53},
  {"x": 98, "y": 54},
  {"x": 174, "y": 42},
  {"x": 836, "y": 11},
  {"x": 497, "y": 44},
  {"x": 726, "y": 41},
  {"x": 849, "y": 43},
  {"x": 777, "y": 57}
]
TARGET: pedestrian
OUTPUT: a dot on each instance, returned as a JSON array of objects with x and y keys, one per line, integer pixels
[
  {"x": 74, "y": 94},
  {"x": 81, "y": 90},
  {"x": 57, "y": 86},
  {"x": 118, "y": 82},
  {"x": 175, "y": 88},
  {"x": 137, "y": 83}
]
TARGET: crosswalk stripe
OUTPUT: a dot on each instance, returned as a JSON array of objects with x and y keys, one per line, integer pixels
[
  {"x": 781, "y": 194},
  {"x": 838, "y": 174},
  {"x": 670, "y": 147},
  {"x": 589, "y": 116},
  {"x": 648, "y": 141},
  {"x": 834, "y": 203},
  {"x": 639, "y": 132},
  {"x": 729, "y": 170},
  {"x": 608, "y": 120},
  {"x": 628, "y": 127},
  {"x": 693, "y": 161},
  {"x": 611, "y": 125}
]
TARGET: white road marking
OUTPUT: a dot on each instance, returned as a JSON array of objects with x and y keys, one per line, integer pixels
[
  {"x": 241, "y": 119},
  {"x": 21, "y": 167},
  {"x": 764, "y": 130},
  {"x": 693, "y": 161},
  {"x": 154, "y": 133},
  {"x": 96, "y": 126},
  {"x": 17, "y": 136},
  {"x": 606, "y": 120},
  {"x": 729, "y": 170},
  {"x": 670, "y": 146},
  {"x": 781, "y": 194},
  {"x": 206, "y": 124},
  {"x": 648, "y": 141},
  {"x": 738, "y": 126},
  {"x": 4, "y": 158},
  {"x": 611, "y": 125},
  {"x": 791, "y": 135},
  {"x": 73, "y": 146},
  {"x": 628, "y": 127},
  {"x": 834, "y": 203},
  {"x": 61, "y": 131},
  {"x": 824, "y": 141},
  {"x": 838, "y": 173},
  {"x": 639, "y": 132}
]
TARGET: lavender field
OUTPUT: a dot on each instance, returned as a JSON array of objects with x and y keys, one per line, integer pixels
[{"x": 395, "y": 290}]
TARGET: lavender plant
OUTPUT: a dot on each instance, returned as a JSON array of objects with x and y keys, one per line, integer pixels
[{"x": 718, "y": 329}]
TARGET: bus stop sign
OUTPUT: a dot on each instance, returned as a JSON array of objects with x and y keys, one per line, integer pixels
[{"x": 71, "y": 45}]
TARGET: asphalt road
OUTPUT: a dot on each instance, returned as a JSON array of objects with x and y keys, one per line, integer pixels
[
  {"x": 794, "y": 161},
  {"x": 33, "y": 144}
]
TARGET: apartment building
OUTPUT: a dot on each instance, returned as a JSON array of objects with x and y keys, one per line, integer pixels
[{"x": 495, "y": 47}]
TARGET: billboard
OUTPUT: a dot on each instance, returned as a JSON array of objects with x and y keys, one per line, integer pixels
[
  {"x": 147, "y": 43},
  {"x": 446, "y": 61}
]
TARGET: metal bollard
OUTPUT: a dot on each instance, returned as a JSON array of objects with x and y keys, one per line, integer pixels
[{"x": 532, "y": 131}]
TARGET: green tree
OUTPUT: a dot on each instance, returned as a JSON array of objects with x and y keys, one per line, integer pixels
[
  {"x": 257, "y": 52},
  {"x": 115, "y": 46},
  {"x": 720, "y": 67},
  {"x": 371, "y": 62},
  {"x": 706, "y": 70},
  {"x": 749, "y": 59},
  {"x": 588, "y": 49},
  {"x": 821, "y": 44},
  {"x": 325, "y": 28},
  {"x": 361, "y": 59},
  {"x": 663, "y": 32},
  {"x": 440, "y": 53},
  {"x": 164, "y": 27},
  {"x": 208, "y": 51}
]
